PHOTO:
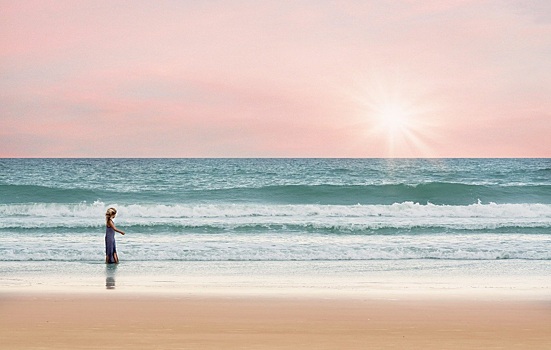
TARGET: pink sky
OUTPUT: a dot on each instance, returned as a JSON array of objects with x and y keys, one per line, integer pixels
[{"x": 275, "y": 78}]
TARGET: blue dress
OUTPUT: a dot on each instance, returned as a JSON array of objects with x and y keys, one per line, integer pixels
[{"x": 110, "y": 247}]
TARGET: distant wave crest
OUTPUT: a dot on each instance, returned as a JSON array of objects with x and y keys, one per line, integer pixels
[{"x": 330, "y": 194}]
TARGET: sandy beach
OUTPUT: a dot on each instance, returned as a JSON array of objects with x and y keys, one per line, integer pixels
[{"x": 138, "y": 321}]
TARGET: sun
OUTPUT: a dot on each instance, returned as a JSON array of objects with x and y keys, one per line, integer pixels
[
  {"x": 396, "y": 114},
  {"x": 400, "y": 125},
  {"x": 394, "y": 119},
  {"x": 396, "y": 122}
]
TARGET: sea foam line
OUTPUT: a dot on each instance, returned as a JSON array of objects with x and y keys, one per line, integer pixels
[
  {"x": 279, "y": 248},
  {"x": 404, "y": 209},
  {"x": 331, "y": 218}
]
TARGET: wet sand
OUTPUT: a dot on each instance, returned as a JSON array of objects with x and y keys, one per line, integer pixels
[{"x": 136, "y": 321}]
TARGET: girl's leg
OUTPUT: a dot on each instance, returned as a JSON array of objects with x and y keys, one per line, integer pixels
[
  {"x": 107, "y": 259},
  {"x": 116, "y": 257}
]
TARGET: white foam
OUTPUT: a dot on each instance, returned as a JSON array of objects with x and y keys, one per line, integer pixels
[
  {"x": 277, "y": 247},
  {"x": 231, "y": 216},
  {"x": 409, "y": 209}
]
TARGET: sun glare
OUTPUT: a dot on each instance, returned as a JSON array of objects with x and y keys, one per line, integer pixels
[
  {"x": 394, "y": 119},
  {"x": 397, "y": 114}
]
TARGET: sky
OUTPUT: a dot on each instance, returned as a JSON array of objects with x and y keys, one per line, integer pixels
[{"x": 315, "y": 78}]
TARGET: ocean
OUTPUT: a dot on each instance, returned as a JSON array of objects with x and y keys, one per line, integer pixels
[{"x": 323, "y": 223}]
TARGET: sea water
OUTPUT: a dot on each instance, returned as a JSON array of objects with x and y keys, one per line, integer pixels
[{"x": 335, "y": 223}]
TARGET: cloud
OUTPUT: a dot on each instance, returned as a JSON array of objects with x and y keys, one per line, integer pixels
[{"x": 539, "y": 10}]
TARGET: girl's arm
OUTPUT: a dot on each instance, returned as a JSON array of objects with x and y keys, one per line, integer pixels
[{"x": 112, "y": 225}]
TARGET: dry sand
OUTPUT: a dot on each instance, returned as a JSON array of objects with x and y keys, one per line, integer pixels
[{"x": 62, "y": 321}]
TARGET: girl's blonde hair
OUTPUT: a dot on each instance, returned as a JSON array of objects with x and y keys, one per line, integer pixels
[{"x": 110, "y": 213}]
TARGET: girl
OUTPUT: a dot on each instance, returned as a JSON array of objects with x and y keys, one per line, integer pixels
[{"x": 110, "y": 248}]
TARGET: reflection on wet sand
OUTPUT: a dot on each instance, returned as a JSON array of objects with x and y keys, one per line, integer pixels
[{"x": 110, "y": 272}]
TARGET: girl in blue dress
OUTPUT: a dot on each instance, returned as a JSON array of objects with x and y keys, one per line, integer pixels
[{"x": 110, "y": 247}]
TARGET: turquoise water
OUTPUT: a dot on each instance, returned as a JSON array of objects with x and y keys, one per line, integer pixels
[
  {"x": 240, "y": 213},
  {"x": 276, "y": 181}
]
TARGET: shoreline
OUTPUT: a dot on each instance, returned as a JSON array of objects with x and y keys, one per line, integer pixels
[
  {"x": 512, "y": 280},
  {"x": 157, "y": 320}
]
